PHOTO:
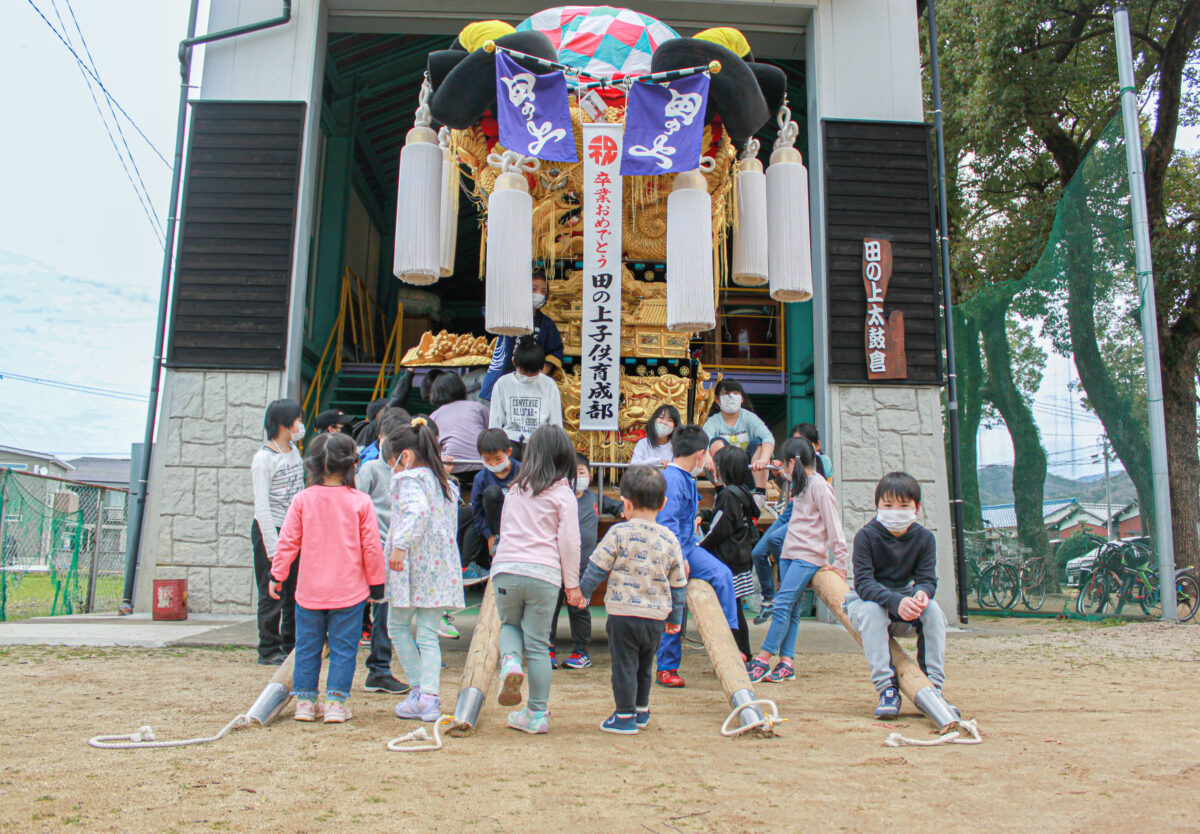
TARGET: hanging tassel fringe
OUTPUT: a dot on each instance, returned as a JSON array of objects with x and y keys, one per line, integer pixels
[
  {"x": 508, "y": 287},
  {"x": 750, "y": 267},
  {"x": 417, "y": 258},
  {"x": 691, "y": 300},
  {"x": 448, "y": 225},
  {"x": 789, "y": 255}
]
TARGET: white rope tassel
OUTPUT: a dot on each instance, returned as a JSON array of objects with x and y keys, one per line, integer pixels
[
  {"x": 143, "y": 739},
  {"x": 508, "y": 285},
  {"x": 789, "y": 250},
  {"x": 418, "y": 209},
  {"x": 448, "y": 225},
  {"x": 770, "y": 719},
  {"x": 403, "y": 744},
  {"x": 691, "y": 305},
  {"x": 750, "y": 233},
  {"x": 952, "y": 737}
]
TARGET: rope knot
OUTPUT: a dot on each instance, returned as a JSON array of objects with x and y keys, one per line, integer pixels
[{"x": 511, "y": 162}]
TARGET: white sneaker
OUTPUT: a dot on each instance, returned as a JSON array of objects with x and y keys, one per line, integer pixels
[{"x": 446, "y": 628}]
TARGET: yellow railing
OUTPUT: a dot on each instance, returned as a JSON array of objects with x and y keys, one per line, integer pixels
[
  {"x": 358, "y": 331},
  {"x": 393, "y": 351}
]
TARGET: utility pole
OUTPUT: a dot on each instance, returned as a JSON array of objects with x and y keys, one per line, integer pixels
[{"x": 1107, "y": 488}]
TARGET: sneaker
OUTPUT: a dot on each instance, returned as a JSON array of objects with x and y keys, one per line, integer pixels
[
  {"x": 957, "y": 712},
  {"x": 757, "y": 670},
  {"x": 767, "y": 612},
  {"x": 424, "y": 707},
  {"x": 530, "y": 721},
  {"x": 365, "y": 640},
  {"x": 336, "y": 712},
  {"x": 473, "y": 575},
  {"x": 511, "y": 678},
  {"x": 625, "y": 725},
  {"x": 273, "y": 659},
  {"x": 889, "y": 703},
  {"x": 406, "y": 706},
  {"x": 670, "y": 678},
  {"x": 446, "y": 628},
  {"x": 783, "y": 671},
  {"x": 385, "y": 683},
  {"x": 307, "y": 710},
  {"x": 643, "y": 718},
  {"x": 553, "y": 660},
  {"x": 577, "y": 660}
]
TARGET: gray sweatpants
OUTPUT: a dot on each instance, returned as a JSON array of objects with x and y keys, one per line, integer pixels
[
  {"x": 873, "y": 623},
  {"x": 525, "y": 606}
]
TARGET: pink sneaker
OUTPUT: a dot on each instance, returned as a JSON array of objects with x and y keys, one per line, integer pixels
[
  {"x": 336, "y": 712},
  {"x": 511, "y": 678},
  {"x": 307, "y": 710}
]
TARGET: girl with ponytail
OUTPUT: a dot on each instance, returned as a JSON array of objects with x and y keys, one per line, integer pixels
[{"x": 424, "y": 571}]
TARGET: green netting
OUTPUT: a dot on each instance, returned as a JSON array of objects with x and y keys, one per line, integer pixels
[{"x": 1080, "y": 302}]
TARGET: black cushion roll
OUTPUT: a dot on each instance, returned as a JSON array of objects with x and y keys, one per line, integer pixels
[
  {"x": 734, "y": 94},
  {"x": 469, "y": 89}
]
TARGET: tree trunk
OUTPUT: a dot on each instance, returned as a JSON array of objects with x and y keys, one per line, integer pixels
[
  {"x": 1029, "y": 467},
  {"x": 1183, "y": 462}
]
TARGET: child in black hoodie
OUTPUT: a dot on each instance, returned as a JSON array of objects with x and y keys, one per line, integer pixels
[{"x": 733, "y": 531}]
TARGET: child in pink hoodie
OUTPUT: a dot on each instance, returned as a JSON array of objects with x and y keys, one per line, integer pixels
[
  {"x": 538, "y": 554},
  {"x": 335, "y": 525}
]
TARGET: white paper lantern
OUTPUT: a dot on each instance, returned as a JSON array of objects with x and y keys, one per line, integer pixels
[
  {"x": 417, "y": 258},
  {"x": 789, "y": 261},
  {"x": 691, "y": 303},
  {"x": 750, "y": 233},
  {"x": 448, "y": 226},
  {"x": 508, "y": 291}
]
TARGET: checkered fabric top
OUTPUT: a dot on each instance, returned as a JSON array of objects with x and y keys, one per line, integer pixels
[{"x": 602, "y": 41}]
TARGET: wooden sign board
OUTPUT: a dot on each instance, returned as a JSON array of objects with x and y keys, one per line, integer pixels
[{"x": 884, "y": 335}]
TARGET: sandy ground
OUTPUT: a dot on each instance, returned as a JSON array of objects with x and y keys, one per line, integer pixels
[{"x": 1086, "y": 728}]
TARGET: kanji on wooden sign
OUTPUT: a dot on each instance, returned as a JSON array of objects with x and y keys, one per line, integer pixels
[{"x": 886, "y": 358}]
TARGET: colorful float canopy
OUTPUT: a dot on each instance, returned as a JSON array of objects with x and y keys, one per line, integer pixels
[{"x": 601, "y": 40}]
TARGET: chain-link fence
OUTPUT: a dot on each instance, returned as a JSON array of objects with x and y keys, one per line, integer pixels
[
  {"x": 1051, "y": 366},
  {"x": 62, "y": 546}
]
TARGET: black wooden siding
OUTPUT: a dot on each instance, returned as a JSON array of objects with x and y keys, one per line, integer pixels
[
  {"x": 234, "y": 268},
  {"x": 879, "y": 183}
]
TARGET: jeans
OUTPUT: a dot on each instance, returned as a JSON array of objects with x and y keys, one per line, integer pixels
[
  {"x": 342, "y": 627},
  {"x": 276, "y": 617},
  {"x": 770, "y": 544},
  {"x": 875, "y": 625},
  {"x": 631, "y": 644},
  {"x": 525, "y": 605},
  {"x": 471, "y": 546},
  {"x": 379, "y": 661},
  {"x": 493, "y": 502},
  {"x": 421, "y": 658},
  {"x": 794, "y": 576},
  {"x": 712, "y": 570}
]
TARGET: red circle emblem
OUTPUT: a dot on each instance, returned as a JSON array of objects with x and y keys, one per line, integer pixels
[{"x": 602, "y": 150}]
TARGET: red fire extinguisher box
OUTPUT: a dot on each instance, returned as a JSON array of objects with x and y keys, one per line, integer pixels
[{"x": 170, "y": 599}]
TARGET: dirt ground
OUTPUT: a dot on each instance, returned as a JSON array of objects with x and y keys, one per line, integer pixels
[{"x": 1086, "y": 728}]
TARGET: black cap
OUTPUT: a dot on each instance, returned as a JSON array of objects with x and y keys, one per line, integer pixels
[{"x": 332, "y": 417}]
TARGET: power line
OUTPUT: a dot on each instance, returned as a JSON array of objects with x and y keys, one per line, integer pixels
[
  {"x": 101, "y": 85},
  {"x": 94, "y": 390}
]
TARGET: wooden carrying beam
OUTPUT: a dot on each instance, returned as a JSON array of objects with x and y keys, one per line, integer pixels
[
  {"x": 723, "y": 651},
  {"x": 483, "y": 657},
  {"x": 832, "y": 590}
]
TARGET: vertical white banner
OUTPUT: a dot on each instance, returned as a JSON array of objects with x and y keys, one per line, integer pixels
[{"x": 600, "y": 378}]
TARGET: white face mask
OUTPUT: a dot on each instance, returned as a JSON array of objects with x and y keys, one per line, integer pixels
[
  {"x": 697, "y": 469},
  {"x": 731, "y": 403},
  {"x": 896, "y": 521},
  {"x": 539, "y": 301},
  {"x": 526, "y": 380},
  {"x": 663, "y": 430},
  {"x": 497, "y": 468},
  {"x": 297, "y": 431},
  {"x": 582, "y": 482}
]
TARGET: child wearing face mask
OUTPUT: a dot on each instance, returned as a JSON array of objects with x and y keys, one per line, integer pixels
[
  {"x": 895, "y": 578},
  {"x": 655, "y": 448},
  {"x": 424, "y": 576},
  {"x": 545, "y": 333},
  {"x": 491, "y": 486},
  {"x": 591, "y": 506},
  {"x": 733, "y": 425},
  {"x": 679, "y": 516},
  {"x": 814, "y": 528},
  {"x": 276, "y": 475},
  {"x": 525, "y": 399}
]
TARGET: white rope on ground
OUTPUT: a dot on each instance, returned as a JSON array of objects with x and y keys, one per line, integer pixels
[
  {"x": 952, "y": 737},
  {"x": 143, "y": 738},
  {"x": 770, "y": 719},
  {"x": 403, "y": 744}
]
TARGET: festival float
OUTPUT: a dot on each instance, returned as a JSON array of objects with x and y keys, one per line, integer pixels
[{"x": 622, "y": 157}]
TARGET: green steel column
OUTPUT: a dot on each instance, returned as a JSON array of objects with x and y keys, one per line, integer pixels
[{"x": 798, "y": 367}]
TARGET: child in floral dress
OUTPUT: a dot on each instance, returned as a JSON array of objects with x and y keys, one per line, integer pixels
[{"x": 424, "y": 574}]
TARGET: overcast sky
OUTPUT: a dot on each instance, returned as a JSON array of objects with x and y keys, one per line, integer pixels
[{"x": 79, "y": 262}]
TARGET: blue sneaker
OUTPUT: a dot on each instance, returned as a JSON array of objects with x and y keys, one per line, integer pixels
[
  {"x": 577, "y": 660},
  {"x": 757, "y": 670},
  {"x": 957, "y": 712},
  {"x": 889, "y": 703},
  {"x": 643, "y": 718},
  {"x": 625, "y": 725},
  {"x": 473, "y": 575},
  {"x": 553, "y": 660},
  {"x": 783, "y": 671}
]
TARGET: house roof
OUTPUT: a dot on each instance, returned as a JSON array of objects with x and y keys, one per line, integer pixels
[
  {"x": 1005, "y": 515},
  {"x": 109, "y": 472},
  {"x": 43, "y": 456}
]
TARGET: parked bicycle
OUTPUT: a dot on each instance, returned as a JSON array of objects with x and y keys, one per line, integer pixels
[
  {"x": 995, "y": 584},
  {"x": 1032, "y": 577},
  {"x": 1123, "y": 572}
]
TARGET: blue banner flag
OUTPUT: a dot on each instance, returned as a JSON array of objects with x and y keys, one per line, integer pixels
[
  {"x": 533, "y": 112},
  {"x": 664, "y": 125}
]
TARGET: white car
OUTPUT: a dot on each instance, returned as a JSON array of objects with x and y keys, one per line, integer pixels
[{"x": 1079, "y": 565}]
